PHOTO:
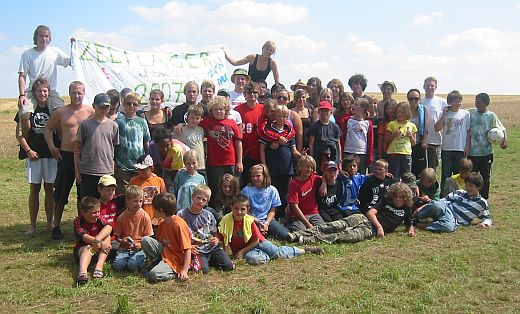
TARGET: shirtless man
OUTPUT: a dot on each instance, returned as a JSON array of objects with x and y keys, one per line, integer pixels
[{"x": 66, "y": 119}]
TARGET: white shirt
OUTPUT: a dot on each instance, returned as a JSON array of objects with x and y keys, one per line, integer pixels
[
  {"x": 455, "y": 130},
  {"x": 43, "y": 64},
  {"x": 435, "y": 107},
  {"x": 236, "y": 98}
]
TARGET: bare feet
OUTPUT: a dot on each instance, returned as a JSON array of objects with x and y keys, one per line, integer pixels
[{"x": 30, "y": 231}]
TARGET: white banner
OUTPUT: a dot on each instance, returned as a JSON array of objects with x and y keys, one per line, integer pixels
[{"x": 101, "y": 68}]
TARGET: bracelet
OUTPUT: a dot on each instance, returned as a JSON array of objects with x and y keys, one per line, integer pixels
[
  {"x": 97, "y": 241},
  {"x": 21, "y": 95},
  {"x": 27, "y": 151}
]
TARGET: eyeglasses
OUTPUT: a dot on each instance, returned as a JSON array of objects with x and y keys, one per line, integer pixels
[
  {"x": 282, "y": 98},
  {"x": 134, "y": 104},
  {"x": 413, "y": 98}
]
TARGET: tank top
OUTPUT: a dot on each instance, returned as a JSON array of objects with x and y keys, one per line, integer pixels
[{"x": 257, "y": 75}]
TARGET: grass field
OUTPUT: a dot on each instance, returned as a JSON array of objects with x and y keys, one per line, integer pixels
[{"x": 471, "y": 270}]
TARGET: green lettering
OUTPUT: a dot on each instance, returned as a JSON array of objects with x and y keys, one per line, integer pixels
[
  {"x": 100, "y": 57},
  {"x": 112, "y": 56},
  {"x": 173, "y": 62},
  {"x": 86, "y": 53},
  {"x": 189, "y": 57},
  {"x": 141, "y": 89},
  {"x": 157, "y": 60}
]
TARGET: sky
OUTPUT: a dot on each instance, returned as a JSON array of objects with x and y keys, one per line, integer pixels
[{"x": 471, "y": 46}]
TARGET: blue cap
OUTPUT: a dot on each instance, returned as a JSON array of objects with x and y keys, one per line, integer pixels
[{"x": 102, "y": 99}]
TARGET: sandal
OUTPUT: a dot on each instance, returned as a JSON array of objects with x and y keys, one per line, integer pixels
[
  {"x": 97, "y": 274},
  {"x": 82, "y": 278}
]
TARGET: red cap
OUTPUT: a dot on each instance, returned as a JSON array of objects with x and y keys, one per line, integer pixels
[{"x": 325, "y": 105}]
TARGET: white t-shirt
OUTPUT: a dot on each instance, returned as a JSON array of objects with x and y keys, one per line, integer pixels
[
  {"x": 356, "y": 137},
  {"x": 235, "y": 116},
  {"x": 236, "y": 98},
  {"x": 455, "y": 130},
  {"x": 42, "y": 64},
  {"x": 435, "y": 107}
]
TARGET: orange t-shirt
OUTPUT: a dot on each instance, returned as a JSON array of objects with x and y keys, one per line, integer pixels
[
  {"x": 381, "y": 132},
  {"x": 151, "y": 187},
  {"x": 134, "y": 225},
  {"x": 176, "y": 237}
]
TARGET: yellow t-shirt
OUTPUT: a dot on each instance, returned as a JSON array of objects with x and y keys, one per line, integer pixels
[{"x": 401, "y": 145}]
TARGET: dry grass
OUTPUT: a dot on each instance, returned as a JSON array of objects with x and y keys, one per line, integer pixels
[{"x": 467, "y": 271}]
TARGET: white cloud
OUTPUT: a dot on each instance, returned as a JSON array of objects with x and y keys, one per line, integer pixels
[
  {"x": 236, "y": 12},
  {"x": 123, "y": 38},
  {"x": 363, "y": 47},
  {"x": 426, "y": 19},
  {"x": 3, "y": 36},
  {"x": 517, "y": 6}
]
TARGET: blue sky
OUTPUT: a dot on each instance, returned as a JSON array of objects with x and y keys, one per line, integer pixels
[{"x": 471, "y": 46}]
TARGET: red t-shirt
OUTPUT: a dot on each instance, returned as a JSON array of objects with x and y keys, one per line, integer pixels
[
  {"x": 250, "y": 136},
  {"x": 108, "y": 213},
  {"x": 221, "y": 135},
  {"x": 237, "y": 239},
  {"x": 303, "y": 193}
]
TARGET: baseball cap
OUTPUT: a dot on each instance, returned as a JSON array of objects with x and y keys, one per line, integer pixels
[
  {"x": 223, "y": 92},
  {"x": 144, "y": 162},
  {"x": 330, "y": 165},
  {"x": 409, "y": 179},
  {"x": 107, "y": 180},
  {"x": 325, "y": 105},
  {"x": 102, "y": 100},
  {"x": 240, "y": 71}
]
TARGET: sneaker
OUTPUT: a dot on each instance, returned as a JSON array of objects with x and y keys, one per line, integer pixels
[
  {"x": 56, "y": 234},
  {"x": 291, "y": 237},
  {"x": 314, "y": 250}
]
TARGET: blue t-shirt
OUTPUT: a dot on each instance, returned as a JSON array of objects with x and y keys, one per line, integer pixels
[
  {"x": 184, "y": 185},
  {"x": 202, "y": 226},
  {"x": 261, "y": 200},
  {"x": 132, "y": 134}
]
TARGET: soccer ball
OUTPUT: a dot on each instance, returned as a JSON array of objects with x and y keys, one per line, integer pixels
[{"x": 496, "y": 136}]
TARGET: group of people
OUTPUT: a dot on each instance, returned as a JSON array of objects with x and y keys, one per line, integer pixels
[{"x": 167, "y": 190}]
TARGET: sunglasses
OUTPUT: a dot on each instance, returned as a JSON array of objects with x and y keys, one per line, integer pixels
[
  {"x": 413, "y": 98},
  {"x": 282, "y": 98},
  {"x": 134, "y": 104},
  {"x": 252, "y": 92}
]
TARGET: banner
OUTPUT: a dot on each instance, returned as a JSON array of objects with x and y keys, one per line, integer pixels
[{"x": 101, "y": 68}]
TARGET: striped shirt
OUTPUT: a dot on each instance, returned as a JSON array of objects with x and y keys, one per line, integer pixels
[{"x": 466, "y": 208}]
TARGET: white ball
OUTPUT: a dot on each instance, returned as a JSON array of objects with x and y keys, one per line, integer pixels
[{"x": 496, "y": 136}]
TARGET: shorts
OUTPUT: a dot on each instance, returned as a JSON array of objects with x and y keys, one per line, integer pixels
[
  {"x": 41, "y": 169},
  {"x": 64, "y": 178},
  {"x": 54, "y": 102}
]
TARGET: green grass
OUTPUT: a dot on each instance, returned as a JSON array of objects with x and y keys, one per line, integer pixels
[{"x": 470, "y": 270}]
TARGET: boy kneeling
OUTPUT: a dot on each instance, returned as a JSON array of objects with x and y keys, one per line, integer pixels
[
  {"x": 170, "y": 251},
  {"x": 93, "y": 239},
  {"x": 457, "y": 208}
]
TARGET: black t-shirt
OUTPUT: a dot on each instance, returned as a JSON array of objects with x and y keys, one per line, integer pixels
[
  {"x": 36, "y": 139},
  {"x": 391, "y": 217},
  {"x": 329, "y": 202},
  {"x": 180, "y": 114},
  {"x": 372, "y": 191}
]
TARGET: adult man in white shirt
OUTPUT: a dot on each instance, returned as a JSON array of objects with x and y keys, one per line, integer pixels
[
  {"x": 435, "y": 107},
  {"x": 40, "y": 62}
]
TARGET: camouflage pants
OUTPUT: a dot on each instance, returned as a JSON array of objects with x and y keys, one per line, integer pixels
[{"x": 350, "y": 229}]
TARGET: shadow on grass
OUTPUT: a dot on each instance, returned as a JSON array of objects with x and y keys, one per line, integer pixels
[{"x": 14, "y": 240}]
